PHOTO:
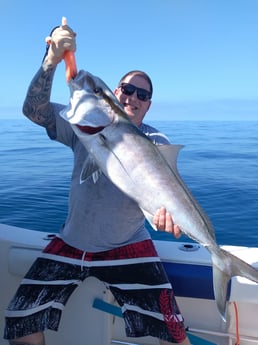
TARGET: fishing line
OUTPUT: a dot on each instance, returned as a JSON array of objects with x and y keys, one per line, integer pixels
[{"x": 237, "y": 324}]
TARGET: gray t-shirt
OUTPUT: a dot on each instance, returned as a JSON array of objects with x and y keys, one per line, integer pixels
[{"x": 100, "y": 216}]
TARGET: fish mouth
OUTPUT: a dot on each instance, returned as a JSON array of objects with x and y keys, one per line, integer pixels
[{"x": 89, "y": 129}]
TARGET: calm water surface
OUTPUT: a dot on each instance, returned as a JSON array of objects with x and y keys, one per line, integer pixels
[{"x": 219, "y": 163}]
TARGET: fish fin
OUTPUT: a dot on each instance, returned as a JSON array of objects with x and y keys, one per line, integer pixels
[
  {"x": 170, "y": 153},
  {"x": 95, "y": 175},
  {"x": 149, "y": 218},
  {"x": 238, "y": 267},
  {"x": 90, "y": 169},
  {"x": 226, "y": 266},
  {"x": 220, "y": 288}
]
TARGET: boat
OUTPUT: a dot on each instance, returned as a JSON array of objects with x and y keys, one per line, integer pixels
[{"x": 92, "y": 316}]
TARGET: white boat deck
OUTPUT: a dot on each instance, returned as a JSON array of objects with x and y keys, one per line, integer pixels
[{"x": 85, "y": 320}]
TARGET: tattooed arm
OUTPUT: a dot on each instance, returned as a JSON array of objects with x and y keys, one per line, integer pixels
[{"x": 37, "y": 106}]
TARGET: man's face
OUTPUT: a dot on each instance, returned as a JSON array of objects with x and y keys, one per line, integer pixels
[{"x": 133, "y": 106}]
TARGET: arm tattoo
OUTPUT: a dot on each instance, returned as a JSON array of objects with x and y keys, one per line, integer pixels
[{"x": 37, "y": 106}]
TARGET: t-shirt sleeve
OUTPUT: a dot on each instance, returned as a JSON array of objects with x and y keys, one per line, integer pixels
[
  {"x": 64, "y": 132},
  {"x": 155, "y": 135}
]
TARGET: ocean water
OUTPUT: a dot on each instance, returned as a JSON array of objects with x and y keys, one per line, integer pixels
[{"x": 219, "y": 164}]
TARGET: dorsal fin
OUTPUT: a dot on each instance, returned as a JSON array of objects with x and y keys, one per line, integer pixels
[{"x": 170, "y": 153}]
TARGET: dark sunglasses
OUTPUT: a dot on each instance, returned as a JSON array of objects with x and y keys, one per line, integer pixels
[{"x": 129, "y": 89}]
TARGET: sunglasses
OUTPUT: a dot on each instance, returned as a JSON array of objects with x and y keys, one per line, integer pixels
[{"x": 129, "y": 89}]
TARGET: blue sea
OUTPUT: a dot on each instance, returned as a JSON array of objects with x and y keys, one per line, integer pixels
[{"x": 219, "y": 164}]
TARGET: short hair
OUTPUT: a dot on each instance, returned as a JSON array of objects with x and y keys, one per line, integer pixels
[{"x": 140, "y": 73}]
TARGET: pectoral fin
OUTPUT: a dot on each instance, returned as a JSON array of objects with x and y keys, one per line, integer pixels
[
  {"x": 90, "y": 170},
  {"x": 149, "y": 218}
]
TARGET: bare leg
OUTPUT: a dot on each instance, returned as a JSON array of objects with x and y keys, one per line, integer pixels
[
  {"x": 32, "y": 339},
  {"x": 185, "y": 342}
]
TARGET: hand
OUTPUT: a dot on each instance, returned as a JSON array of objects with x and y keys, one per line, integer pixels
[
  {"x": 164, "y": 222},
  {"x": 61, "y": 40}
]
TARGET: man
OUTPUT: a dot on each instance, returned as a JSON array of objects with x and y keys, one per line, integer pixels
[{"x": 103, "y": 233}]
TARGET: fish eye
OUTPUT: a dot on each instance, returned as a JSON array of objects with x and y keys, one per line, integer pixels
[{"x": 98, "y": 91}]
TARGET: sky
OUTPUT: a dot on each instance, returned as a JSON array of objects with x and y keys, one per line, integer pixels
[{"x": 202, "y": 55}]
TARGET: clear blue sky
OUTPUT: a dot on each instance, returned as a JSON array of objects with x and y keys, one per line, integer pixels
[{"x": 202, "y": 55}]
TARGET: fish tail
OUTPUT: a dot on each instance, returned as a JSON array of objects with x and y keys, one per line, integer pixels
[
  {"x": 226, "y": 266},
  {"x": 70, "y": 65}
]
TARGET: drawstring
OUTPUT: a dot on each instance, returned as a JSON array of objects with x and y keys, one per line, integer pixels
[{"x": 83, "y": 257}]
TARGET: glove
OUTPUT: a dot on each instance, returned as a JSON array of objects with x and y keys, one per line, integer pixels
[{"x": 62, "y": 39}]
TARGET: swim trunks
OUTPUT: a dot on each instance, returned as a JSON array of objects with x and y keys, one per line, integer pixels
[{"x": 133, "y": 273}]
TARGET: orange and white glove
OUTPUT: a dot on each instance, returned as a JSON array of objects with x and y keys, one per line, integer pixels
[{"x": 61, "y": 39}]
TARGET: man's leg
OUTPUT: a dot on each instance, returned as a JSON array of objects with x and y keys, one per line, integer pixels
[
  {"x": 144, "y": 292},
  {"x": 40, "y": 289},
  {"x": 32, "y": 339}
]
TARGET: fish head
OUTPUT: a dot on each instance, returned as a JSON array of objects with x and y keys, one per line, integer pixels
[{"x": 92, "y": 103}]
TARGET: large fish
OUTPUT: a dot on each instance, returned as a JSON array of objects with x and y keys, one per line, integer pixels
[{"x": 145, "y": 172}]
